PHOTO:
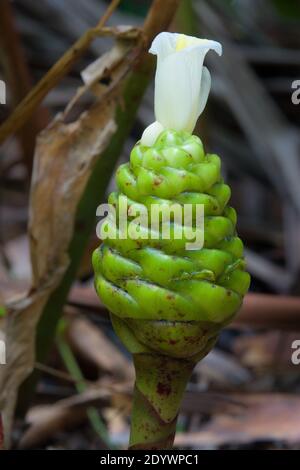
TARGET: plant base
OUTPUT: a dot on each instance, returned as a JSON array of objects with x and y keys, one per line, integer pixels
[{"x": 159, "y": 387}]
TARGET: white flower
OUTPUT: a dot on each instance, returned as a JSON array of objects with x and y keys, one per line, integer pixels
[{"x": 182, "y": 83}]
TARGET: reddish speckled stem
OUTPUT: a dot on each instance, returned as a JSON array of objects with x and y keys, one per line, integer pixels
[{"x": 159, "y": 387}]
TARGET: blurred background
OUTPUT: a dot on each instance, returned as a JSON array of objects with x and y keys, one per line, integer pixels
[{"x": 246, "y": 392}]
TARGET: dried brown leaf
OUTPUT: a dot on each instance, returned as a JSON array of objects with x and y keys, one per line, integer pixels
[
  {"x": 269, "y": 351},
  {"x": 64, "y": 158},
  {"x": 46, "y": 420},
  {"x": 262, "y": 417},
  {"x": 223, "y": 370},
  {"x": 209, "y": 403}
]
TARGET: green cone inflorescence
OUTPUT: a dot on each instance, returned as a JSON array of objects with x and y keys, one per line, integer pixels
[{"x": 168, "y": 303}]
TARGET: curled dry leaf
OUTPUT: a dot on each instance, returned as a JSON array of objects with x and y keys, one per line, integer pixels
[
  {"x": 106, "y": 66},
  {"x": 64, "y": 158}
]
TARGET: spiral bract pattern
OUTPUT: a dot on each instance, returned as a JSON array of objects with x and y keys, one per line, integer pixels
[{"x": 164, "y": 298}]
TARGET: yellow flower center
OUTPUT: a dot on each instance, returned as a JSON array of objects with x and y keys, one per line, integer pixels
[
  {"x": 184, "y": 41},
  {"x": 181, "y": 43}
]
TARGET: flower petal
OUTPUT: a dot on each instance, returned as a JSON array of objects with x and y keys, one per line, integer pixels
[
  {"x": 182, "y": 84},
  {"x": 151, "y": 133},
  {"x": 164, "y": 44},
  {"x": 204, "y": 89},
  {"x": 200, "y": 104},
  {"x": 173, "y": 92}
]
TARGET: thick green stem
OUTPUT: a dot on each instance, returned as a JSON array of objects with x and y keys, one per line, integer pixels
[{"x": 159, "y": 387}]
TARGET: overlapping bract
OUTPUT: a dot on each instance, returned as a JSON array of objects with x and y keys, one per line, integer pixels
[{"x": 163, "y": 298}]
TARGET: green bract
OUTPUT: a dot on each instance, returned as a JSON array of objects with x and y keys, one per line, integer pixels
[{"x": 168, "y": 303}]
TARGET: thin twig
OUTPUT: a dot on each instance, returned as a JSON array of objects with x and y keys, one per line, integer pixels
[
  {"x": 107, "y": 14},
  {"x": 55, "y": 372}
]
